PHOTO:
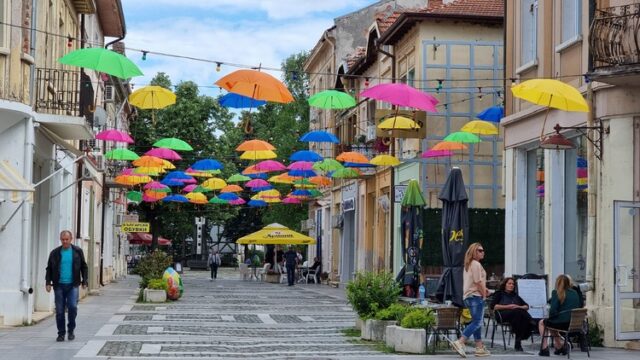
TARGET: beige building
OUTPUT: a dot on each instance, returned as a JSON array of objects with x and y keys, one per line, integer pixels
[{"x": 575, "y": 211}]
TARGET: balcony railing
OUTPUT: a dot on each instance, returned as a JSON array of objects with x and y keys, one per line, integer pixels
[
  {"x": 615, "y": 36},
  {"x": 64, "y": 92}
]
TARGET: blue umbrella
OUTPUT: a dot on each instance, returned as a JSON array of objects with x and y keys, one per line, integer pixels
[
  {"x": 319, "y": 136},
  {"x": 176, "y": 198},
  {"x": 257, "y": 203},
  {"x": 305, "y": 155},
  {"x": 228, "y": 196},
  {"x": 171, "y": 182},
  {"x": 261, "y": 188},
  {"x": 493, "y": 113},
  {"x": 301, "y": 192},
  {"x": 207, "y": 164},
  {"x": 358, "y": 165},
  {"x": 177, "y": 175},
  {"x": 238, "y": 101},
  {"x": 302, "y": 173},
  {"x": 262, "y": 176}
]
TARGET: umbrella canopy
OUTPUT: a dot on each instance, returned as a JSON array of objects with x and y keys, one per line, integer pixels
[
  {"x": 237, "y": 178},
  {"x": 173, "y": 144},
  {"x": 197, "y": 198},
  {"x": 152, "y": 97},
  {"x": 214, "y": 184},
  {"x": 255, "y": 145},
  {"x": 121, "y": 154},
  {"x": 103, "y": 60},
  {"x": 238, "y": 101},
  {"x": 413, "y": 196},
  {"x": 480, "y": 127},
  {"x": 256, "y": 85},
  {"x": 492, "y": 113},
  {"x": 431, "y": 153},
  {"x": 320, "y": 180},
  {"x": 328, "y": 165},
  {"x": 276, "y": 234},
  {"x": 305, "y": 155},
  {"x": 332, "y": 99},
  {"x": 269, "y": 166},
  {"x": 231, "y": 188},
  {"x": 455, "y": 229},
  {"x": 115, "y": 136},
  {"x": 149, "y": 161},
  {"x": 551, "y": 93},
  {"x": 353, "y": 157},
  {"x": 462, "y": 137},
  {"x": 206, "y": 165},
  {"x": 449, "y": 146},
  {"x": 134, "y": 196},
  {"x": 291, "y": 200},
  {"x": 300, "y": 165},
  {"x": 145, "y": 239},
  {"x": 163, "y": 153},
  {"x": 282, "y": 179},
  {"x": 411, "y": 230},
  {"x": 398, "y": 123},
  {"x": 345, "y": 173},
  {"x": 255, "y": 183},
  {"x": 385, "y": 160},
  {"x": 217, "y": 200},
  {"x": 319, "y": 136},
  {"x": 176, "y": 198},
  {"x": 258, "y": 155},
  {"x": 402, "y": 95},
  {"x": 228, "y": 196}
]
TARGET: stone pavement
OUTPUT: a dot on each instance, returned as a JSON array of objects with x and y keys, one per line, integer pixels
[{"x": 226, "y": 318}]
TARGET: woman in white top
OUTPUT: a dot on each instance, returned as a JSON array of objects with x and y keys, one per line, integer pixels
[{"x": 475, "y": 291}]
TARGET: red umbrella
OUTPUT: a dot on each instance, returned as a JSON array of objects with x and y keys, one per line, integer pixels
[{"x": 138, "y": 238}]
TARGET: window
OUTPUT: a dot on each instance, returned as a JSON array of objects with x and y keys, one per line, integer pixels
[
  {"x": 4, "y": 28},
  {"x": 570, "y": 20},
  {"x": 535, "y": 211},
  {"x": 575, "y": 230},
  {"x": 528, "y": 36}
]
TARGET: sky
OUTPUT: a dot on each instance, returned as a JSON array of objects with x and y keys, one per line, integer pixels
[{"x": 247, "y": 32}]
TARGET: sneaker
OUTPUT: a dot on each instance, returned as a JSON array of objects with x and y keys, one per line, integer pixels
[
  {"x": 71, "y": 336},
  {"x": 544, "y": 352},
  {"x": 60, "y": 338},
  {"x": 459, "y": 347},
  {"x": 482, "y": 351}
]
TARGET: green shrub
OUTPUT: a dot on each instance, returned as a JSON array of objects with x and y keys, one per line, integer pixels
[
  {"x": 393, "y": 312},
  {"x": 152, "y": 266},
  {"x": 157, "y": 284},
  {"x": 418, "y": 319},
  {"x": 596, "y": 334},
  {"x": 371, "y": 291}
]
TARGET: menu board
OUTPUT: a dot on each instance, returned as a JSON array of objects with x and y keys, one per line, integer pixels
[{"x": 534, "y": 293}]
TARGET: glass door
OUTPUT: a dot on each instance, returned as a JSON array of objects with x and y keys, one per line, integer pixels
[{"x": 626, "y": 237}]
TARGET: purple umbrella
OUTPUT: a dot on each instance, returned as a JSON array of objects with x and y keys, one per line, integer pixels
[
  {"x": 163, "y": 153},
  {"x": 402, "y": 95},
  {"x": 115, "y": 136}
]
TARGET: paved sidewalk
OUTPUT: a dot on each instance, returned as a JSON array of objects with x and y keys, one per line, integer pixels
[{"x": 225, "y": 318}]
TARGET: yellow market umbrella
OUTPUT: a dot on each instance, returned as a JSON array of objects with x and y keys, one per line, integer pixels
[
  {"x": 398, "y": 122},
  {"x": 385, "y": 160},
  {"x": 214, "y": 184},
  {"x": 480, "y": 127},
  {"x": 152, "y": 97},
  {"x": 276, "y": 234},
  {"x": 258, "y": 155}
]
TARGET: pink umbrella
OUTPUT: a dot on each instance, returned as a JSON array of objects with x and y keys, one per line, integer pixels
[
  {"x": 147, "y": 198},
  {"x": 256, "y": 183},
  {"x": 163, "y": 153},
  {"x": 238, "y": 201},
  {"x": 301, "y": 165},
  {"x": 437, "y": 153},
  {"x": 115, "y": 136},
  {"x": 401, "y": 95},
  {"x": 127, "y": 171},
  {"x": 290, "y": 200},
  {"x": 269, "y": 165},
  {"x": 189, "y": 188},
  {"x": 155, "y": 185}
]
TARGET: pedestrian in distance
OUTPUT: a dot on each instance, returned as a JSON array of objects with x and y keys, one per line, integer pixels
[
  {"x": 291, "y": 260},
  {"x": 66, "y": 271},
  {"x": 214, "y": 263},
  {"x": 474, "y": 285}
]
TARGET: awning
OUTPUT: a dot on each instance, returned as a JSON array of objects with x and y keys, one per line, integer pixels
[
  {"x": 12, "y": 185},
  {"x": 67, "y": 127},
  {"x": 276, "y": 234},
  {"x": 138, "y": 238},
  {"x": 56, "y": 139}
]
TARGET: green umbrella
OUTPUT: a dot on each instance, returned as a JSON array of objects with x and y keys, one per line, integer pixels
[
  {"x": 201, "y": 189},
  {"x": 217, "y": 200},
  {"x": 413, "y": 196},
  {"x": 173, "y": 144},
  {"x": 345, "y": 173},
  {"x": 462, "y": 137},
  {"x": 103, "y": 60},
  {"x": 121, "y": 154},
  {"x": 332, "y": 99},
  {"x": 315, "y": 193},
  {"x": 328, "y": 164},
  {"x": 237, "y": 178},
  {"x": 134, "y": 196}
]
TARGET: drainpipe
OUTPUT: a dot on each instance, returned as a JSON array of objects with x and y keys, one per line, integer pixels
[
  {"x": 26, "y": 216},
  {"x": 592, "y": 173},
  {"x": 325, "y": 36}
]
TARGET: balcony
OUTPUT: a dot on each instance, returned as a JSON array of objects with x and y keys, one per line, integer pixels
[{"x": 615, "y": 45}]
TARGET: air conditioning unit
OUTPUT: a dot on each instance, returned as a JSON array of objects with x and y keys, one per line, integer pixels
[
  {"x": 118, "y": 221},
  {"x": 100, "y": 162},
  {"x": 371, "y": 133},
  {"x": 109, "y": 93},
  {"x": 337, "y": 221},
  {"x": 307, "y": 224}
]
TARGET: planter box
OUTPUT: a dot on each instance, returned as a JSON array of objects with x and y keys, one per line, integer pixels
[
  {"x": 359, "y": 324},
  {"x": 374, "y": 330},
  {"x": 155, "y": 296},
  {"x": 272, "y": 278},
  {"x": 413, "y": 341}
]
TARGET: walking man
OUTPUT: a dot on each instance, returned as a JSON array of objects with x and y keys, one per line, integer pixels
[
  {"x": 66, "y": 271},
  {"x": 291, "y": 259},
  {"x": 214, "y": 262}
]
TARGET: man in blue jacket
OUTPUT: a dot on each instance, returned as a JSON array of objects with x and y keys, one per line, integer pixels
[{"x": 66, "y": 271}]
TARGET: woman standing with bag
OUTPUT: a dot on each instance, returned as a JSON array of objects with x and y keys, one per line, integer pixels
[{"x": 474, "y": 293}]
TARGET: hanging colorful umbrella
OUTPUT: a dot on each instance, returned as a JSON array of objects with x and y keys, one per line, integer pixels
[
  {"x": 155, "y": 185},
  {"x": 156, "y": 195},
  {"x": 431, "y": 153},
  {"x": 203, "y": 174},
  {"x": 237, "y": 178},
  {"x": 398, "y": 123},
  {"x": 256, "y": 85},
  {"x": 217, "y": 200},
  {"x": 189, "y": 188},
  {"x": 149, "y": 161},
  {"x": 115, "y": 136},
  {"x": 493, "y": 113},
  {"x": 402, "y": 95},
  {"x": 315, "y": 193},
  {"x": 164, "y": 153},
  {"x": 413, "y": 195},
  {"x": 150, "y": 199},
  {"x": 148, "y": 170},
  {"x": 255, "y": 145},
  {"x": 357, "y": 165},
  {"x": 121, "y": 154},
  {"x": 171, "y": 182},
  {"x": 201, "y": 189},
  {"x": 301, "y": 165},
  {"x": 319, "y": 136},
  {"x": 269, "y": 166},
  {"x": 103, "y": 60},
  {"x": 256, "y": 183},
  {"x": 327, "y": 165},
  {"x": 173, "y": 144},
  {"x": 303, "y": 184},
  {"x": 176, "y": 198},
  {"x": 257, "y": 203},
  {"x": 167, "y": 165},
  {"x": 352, "y": 156},
  {"x": 206, "y": 165},
  {"x": 332, "y": 99},
  {"x": 462, "y": 137},
  {"x": 551, "y": 93},
  {"x": 282, "y": 179},
  {"x": 251, "y": 169},
  {"x": 305, "y": 155},
  {"x": 197, "y": 198},
  {"x": 134, "y": 196},
  {"x": 291, "y": 200},
  {"x": 270, "y": 196},
  {"x": 258, "y": 155},
  {"x": 449, "y": 145},
  {"x": 152, "y": 97},
  {"x": 320, "y": 180},
  {"x": 345, "y": 173},
  {"x": 262, "y": 176},
  {"x": 231, "y": 188},
  {"x": 480, "y": 127},
  {"x": 385, "y": 160},
  {"x": 237, "y": 101},
  {"x": 178, "y": 175},
  {"x": 214, "y": 184},
  {"x": 131, "y": 180},
  {"x": 228, "y": 196},
  {"x": 238, "y": 201},
  {"x": 301, "y": 173}
]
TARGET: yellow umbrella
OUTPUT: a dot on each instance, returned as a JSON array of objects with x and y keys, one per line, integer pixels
[
  {"x": 268, "y": 196},
  {"x": 149, "y": 161},
  {"x": 152, "y": 97},
  {"x": 385, "y": 160},
  {"x": 167, "y": 165},
  {"x": 276, "y": 234},
  {"x": 258, "y": 155},
  {"x": 480, "y": 127},
  {"x": 148, "y": 170},
  {"x": 282, "y": 179},
  {"x": 398, "y": 122},
  {"x": 214, "y": 184},
  {"x": 131, "y": 180},
  {"x": 197, "y": 198},
  {"x": 551, "y": 93}
]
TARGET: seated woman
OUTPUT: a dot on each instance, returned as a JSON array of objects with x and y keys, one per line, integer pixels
[
  {"x": 563, "y": 300},
  {"x": 314, "y": 267},
  {"x": 511, "y": 309}
]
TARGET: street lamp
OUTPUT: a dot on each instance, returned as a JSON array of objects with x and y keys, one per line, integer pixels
[{"x": 557, "y": 141}]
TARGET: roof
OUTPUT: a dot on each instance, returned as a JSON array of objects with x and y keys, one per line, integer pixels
[{"x": 490, "y": 8}]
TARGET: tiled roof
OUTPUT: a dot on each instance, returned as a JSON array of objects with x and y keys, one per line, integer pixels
[
  {"x": 489, "y": 8},
  {"x": 385, "y": 22},
  {"x": 353, "y": 58}
]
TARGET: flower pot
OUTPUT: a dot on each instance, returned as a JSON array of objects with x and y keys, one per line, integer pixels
[
  {"x": 272, "y": 278},
  {"x": 374, "y": 330},
  {"x": 155, "y": 296},
  {"x": 413, "y": 341}
]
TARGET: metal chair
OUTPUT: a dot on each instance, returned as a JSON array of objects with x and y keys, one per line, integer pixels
[
  {"x": 577, "y": 325},
  {"x": 313, "y": 274},
  {"x": 505, "y": 327},
  {"x": 447, "y": 321}
]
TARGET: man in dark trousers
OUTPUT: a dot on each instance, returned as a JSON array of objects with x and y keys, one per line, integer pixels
[
  {"x": 66, "y": 271},
  {"x": 214, "y": 262},
  {"x": 291, "y": 259}
]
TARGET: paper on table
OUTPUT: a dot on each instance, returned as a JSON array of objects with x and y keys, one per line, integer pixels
[{"x": 534, "y": 293}]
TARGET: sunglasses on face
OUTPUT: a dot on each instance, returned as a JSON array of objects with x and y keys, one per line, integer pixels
[{"x": 480, "y": 250}]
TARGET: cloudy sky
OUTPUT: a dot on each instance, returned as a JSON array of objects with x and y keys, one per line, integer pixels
[{"x": 248, "y": 32}]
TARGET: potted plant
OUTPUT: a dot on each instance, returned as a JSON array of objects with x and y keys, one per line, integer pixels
[
  {"x": 272, "y": 276},
  {"x": 411, "y": 335},
  {"x": 156, "y": 291},
  {"x": 151, "y": 266}
]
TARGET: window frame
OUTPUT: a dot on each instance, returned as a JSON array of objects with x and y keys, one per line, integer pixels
[
  {"x": 531, "y": 58},
  {"x": 576, "y": 36}
]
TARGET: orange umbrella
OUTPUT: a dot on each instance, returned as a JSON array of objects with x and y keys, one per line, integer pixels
[
  {"x": 155, "y": 195},
  {"x": 231, "y": 188},
  {"x": 449, "y": 145},
  {"x": 320, "y": 180},
  {"x": 352, "y": 157},
  {"x": 255, "y": 145},
  {"x": 131, "y": 180},
  {"x": 251, "y": 169},
  {"x": 256, "y": 85},
  {"x": 282, "y": 179},
  {"x": 149, "y": 161}
]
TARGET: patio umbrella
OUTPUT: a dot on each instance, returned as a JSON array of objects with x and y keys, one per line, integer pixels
[
  {"x": 173, "y": 144},
  {"x": 115, "y": 136},
  {"x": 103, "y": 60},
  {"x": 256, "y": 85},
  {"x": 237, "y": 101},
  {"x": 402, "y": 95},
  {"x": 455, "y": 229},
  {"x": 492, "y": 113},
  {"x": 152, "y": 97},
  {"x": 276, "y": 234},
  {"x": 332, "y": 99},
  {"x": 412, "y": 237}
]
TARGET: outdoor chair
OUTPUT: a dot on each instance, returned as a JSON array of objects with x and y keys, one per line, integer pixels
[
  {"x": 245, "y": 272},
  {"x": 447, "y": 321},
  {"x": 312, "y": 274},
  {"x": 505, "y": 328},
  {"x": 262, "y": 272},
  {"x": 578, "y": 325}
]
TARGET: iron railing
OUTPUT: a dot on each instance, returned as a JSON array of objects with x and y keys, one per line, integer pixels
[
  {"x": 64, "y": 92},
  {"x": 615, "y": 36}
]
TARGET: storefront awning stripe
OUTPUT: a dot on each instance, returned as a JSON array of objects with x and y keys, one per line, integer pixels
[{"x": 13, "y": 186}]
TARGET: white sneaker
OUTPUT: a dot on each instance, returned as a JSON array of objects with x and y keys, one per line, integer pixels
[
  {"x": 481, "y": 352},
  {"x": 459, "y": 347}
]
